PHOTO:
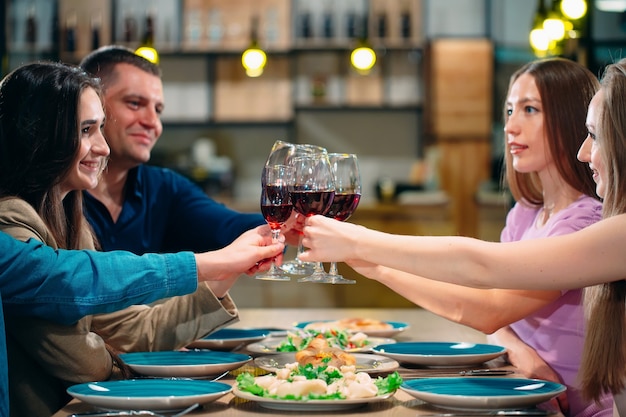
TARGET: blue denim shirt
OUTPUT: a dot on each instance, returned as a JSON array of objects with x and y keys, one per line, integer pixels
[
  {"x": 67, "y": 285},
  {"x": 165, "y": 212}
]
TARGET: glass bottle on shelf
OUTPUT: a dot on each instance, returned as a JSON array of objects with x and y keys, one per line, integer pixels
[
  {"x": 405, "y": 25},
  {"x": 96, "y": 26},
  {"x": 70, "y": 32},
  {"x": 31, "y": 28},
  {"x": 130, "y": 27},
  {"x": 215, "y": 31},
  {"x": 148, "y": 32}
]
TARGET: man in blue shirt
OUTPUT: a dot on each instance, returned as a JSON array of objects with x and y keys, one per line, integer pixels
[
  {"x": 63, "y": 285},
  {"x": 145, "y": 208}
]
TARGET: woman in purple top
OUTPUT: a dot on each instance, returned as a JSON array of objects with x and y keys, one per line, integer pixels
[
  {"x": 555, "y": 195},
  {"x": 591, "y": 258}
]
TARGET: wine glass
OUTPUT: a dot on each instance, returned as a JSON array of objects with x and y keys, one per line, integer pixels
[
  {"x": 281, "y": 154},
  {"x": 276, "y": 207},
  {"x": 312, "y": 193},
  {"x": 345, "y": 169}
]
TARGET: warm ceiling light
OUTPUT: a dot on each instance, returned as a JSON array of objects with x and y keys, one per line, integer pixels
[
  {"x": 554, "y": 28},
  {"x": 553, "y": 24},
  {"x": 363, "y": 58},
  {"x": 149, "y": 53},
  {"x": 539, "y": 41},
  {"x": 253, "y": 60},
  {"x": 574, "y": 9}
]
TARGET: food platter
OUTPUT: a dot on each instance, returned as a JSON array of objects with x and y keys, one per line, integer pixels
[
  {"x": 270, "y": 345},
  {"x": 365, "y": 362},
  {"x": 389, "y": 329},
  {"x": 311, "y": 405}
]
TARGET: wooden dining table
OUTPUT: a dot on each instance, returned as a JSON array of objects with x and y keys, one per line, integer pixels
[{"x": 422, "y": 326}]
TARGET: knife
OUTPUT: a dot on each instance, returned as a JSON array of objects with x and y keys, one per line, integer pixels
[
  {"x": 530, "y": 412},
  {"x": 473, "y": 372}
]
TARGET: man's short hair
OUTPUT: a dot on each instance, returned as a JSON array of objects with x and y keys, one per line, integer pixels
[{"x": 102, "y": 61}]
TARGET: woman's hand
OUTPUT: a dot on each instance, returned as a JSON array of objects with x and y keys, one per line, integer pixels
[
  {"x": 328, "y": 240},
  {"x": 528, "y": 362},
  {"x": 249, "y": 253}
]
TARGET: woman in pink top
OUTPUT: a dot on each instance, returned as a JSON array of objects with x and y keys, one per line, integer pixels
[
  {"x": 592, "y": 257},
  {"x": 555, "y": 195}
]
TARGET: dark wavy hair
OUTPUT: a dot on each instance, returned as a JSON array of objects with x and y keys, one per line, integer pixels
[
  {"x": 566, "y": 89},
  {"x": 39, "y": 139}
]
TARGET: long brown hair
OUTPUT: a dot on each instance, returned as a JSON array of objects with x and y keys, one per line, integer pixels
[
  {"x": 564, "y": 109},
  {"x": 604, "y": 353},
  {"x": 39, "y": 139}
]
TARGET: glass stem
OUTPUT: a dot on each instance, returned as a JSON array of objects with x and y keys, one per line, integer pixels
[
  {"x": 333, "y": 269},
  {"x": 300, "y": 250},
  {"x": 275, "y": 235}
]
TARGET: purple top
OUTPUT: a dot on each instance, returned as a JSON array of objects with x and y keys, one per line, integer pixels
[{"x": 556, "y": 331}]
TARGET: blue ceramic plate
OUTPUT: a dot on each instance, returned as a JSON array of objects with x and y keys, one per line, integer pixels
[
  {"x": 394, "y": 328},
  {"x": 227, "y": 339},
  {"x": 482, "y": 393},
  {"x": 440, "y": 353},
  {"x": 200, "y": 363},
  {"x": 148, "y": 394}
]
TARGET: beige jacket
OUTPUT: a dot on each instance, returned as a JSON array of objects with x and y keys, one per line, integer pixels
[{"x": 45, "y": 358}]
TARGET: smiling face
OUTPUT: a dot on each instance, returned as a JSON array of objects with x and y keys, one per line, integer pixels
[
  {"x": 590, "y": 151},
  {"x": 133, "y": 102},
  {"x": 93, "y": 149},
  {"x": 524, "y": 128}
]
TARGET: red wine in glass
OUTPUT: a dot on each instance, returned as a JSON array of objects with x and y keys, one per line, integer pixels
[
  {"x": 343, "y": 205},
  {"x": 276, "y": 208},
  {"x": 276, "y": 215},
  {"x": 309, "y": 203}
]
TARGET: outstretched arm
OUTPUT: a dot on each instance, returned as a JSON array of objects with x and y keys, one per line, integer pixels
[
  {"x": 483, "y": 310},
  {"x": 587, "y": 257},
  {"x": 36, "y": 280}
]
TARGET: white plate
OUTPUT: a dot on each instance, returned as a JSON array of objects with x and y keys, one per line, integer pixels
[
  {"x": 148, "y": 394},
  {"x": 227, "y": 339},
  {"x": 365, "y": 362},
  {"x": 440, "y": 353},
  {"x": 270, "y": 345},
  {"x": 198, "y": 363},
  {"x": 311, "y": 405},
  {"x": 482, "y": 393},
  {"x": 396, "y": 327}
]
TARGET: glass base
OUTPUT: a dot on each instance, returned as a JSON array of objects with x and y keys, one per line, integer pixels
[
  {"x": 338, "y": 279},
  {"x": 324, "y": 278},
  {"x": 266, "y": 277},
  {"x": 297, "y": 267}
]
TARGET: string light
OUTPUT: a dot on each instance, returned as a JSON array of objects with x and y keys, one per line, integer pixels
[
  {"x": 573, "y": 9},
  {"x": 553, "y": 24}
]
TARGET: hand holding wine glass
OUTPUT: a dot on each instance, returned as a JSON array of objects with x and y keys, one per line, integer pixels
[
  {"x": 312, "y": 193},
  {"x": 276, "y": 207},
  {"x": 281, "y": 154},
  {"x": 347, "y": 178}
]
